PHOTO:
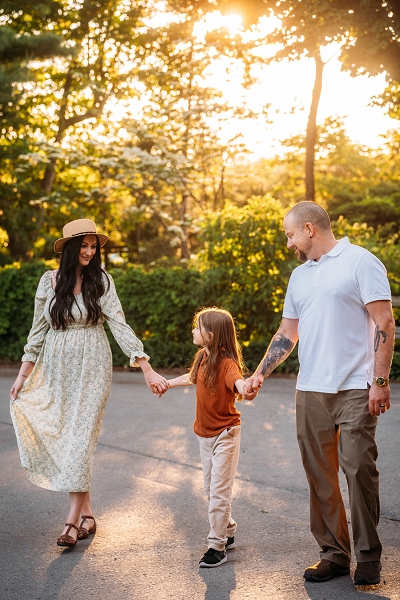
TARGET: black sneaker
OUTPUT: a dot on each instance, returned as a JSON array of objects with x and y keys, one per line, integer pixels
[
  {"x": 230, "y": 543},
  {"x": 213, "y": 558}
]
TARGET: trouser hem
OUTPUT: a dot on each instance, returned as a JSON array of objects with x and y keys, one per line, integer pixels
[
  {"x": 220, "y": 548},
  {"x": 369, "y": 558},
  {"x": 345, "y": 562}
]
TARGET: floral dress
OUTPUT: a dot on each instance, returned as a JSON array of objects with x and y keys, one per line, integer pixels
[{"x": 58, "y": 412}]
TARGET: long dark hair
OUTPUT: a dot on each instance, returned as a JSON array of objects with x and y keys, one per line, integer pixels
[
  {"x": 223, "y": 344},
  {"x": 92, "y": 285}
]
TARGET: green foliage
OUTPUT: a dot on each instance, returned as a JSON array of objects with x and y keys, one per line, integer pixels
[
  {"x": 395, "y": 370},
  {"x": 160, "y": 305},
  {"x": 18, "y": 283},
  {"x": 246, "y": 269},
  {"x": 374, "y": 47},
  {"x": 386, "y": 249}
]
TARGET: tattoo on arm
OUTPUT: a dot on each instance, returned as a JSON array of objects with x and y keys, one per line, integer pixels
[
  {"x": 378, "y": 334},
  {"x": 278, "y": 350}
]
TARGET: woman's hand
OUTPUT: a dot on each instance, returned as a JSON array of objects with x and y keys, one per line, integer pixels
[
  {"x": 17, "y": 385},
  {"x": 156, "y": 383},
  {"x": 24, "y": 372}
]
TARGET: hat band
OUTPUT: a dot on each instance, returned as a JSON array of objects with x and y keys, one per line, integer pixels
[{"x": 83, "y": 233}]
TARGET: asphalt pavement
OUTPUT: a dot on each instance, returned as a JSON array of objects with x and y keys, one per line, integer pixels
[{"x": 152, "y": 514}]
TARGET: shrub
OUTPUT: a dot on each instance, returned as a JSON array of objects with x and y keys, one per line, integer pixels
[
  {"x": 18, "y": 283},
  {"x": 160, "y": 305}
]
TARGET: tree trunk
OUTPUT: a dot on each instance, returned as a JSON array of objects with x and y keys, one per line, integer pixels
[
  {"x": 311, "y": 137},
  {"x": 185, "y": 250},
  {"x": 99, "y": 100},
  {"x": 48, "y": 178}
]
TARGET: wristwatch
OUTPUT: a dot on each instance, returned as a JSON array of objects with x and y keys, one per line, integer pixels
[{"x": 381, "y": 381}]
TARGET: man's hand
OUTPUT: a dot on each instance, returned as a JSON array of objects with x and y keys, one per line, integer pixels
[
  {"x": 248, "y": 392},
  {"x": 254, "y": 383},
  {"x": 379, "y": 400}
]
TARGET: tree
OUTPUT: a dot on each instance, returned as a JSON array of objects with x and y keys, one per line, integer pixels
[
  {"x": 19, "y": 46},
  {"x": 374, "y": 46},
  {"x": 304, "y": 27},
  {"x": 175, "y": 125},
  {"x": 103, "y": 46}
]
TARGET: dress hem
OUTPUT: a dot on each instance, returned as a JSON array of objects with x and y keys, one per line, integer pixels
[{"x": 46, "y": 485}]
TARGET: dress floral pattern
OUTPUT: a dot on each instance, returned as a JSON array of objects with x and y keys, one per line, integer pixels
[{"x": 58, "y": 412}]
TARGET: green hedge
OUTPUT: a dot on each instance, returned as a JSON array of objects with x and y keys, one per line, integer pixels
[
  {"x": 18, "y": 283},
  {"x": 158, "y": 304}
]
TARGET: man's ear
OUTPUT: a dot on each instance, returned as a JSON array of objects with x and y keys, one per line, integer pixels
[{"x": 310, "y": 230}]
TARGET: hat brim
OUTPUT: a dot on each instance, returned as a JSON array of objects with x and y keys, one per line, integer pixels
[{"x": 59, "y": 244}]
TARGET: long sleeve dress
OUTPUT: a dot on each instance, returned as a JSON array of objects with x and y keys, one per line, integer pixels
[{"x": 58, "y": 412}]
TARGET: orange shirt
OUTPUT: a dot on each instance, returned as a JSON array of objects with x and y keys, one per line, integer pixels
[{"x": 216, "y": 411}]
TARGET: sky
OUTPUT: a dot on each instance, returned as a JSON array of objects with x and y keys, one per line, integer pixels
[{"x": 287, "y": 87}]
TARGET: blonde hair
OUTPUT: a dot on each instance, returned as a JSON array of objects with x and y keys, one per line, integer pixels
[{"x": 222, "y": 344}]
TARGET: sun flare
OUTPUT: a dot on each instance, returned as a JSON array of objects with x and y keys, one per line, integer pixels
[{"x": 285, "y": 87}]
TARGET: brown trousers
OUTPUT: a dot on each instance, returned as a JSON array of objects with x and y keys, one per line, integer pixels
[{"x": 333, "y": 430}]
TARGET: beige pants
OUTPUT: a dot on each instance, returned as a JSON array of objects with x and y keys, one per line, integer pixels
[
  {"x": 219, "y": 458},
  {"x": 333, "y": 430}
]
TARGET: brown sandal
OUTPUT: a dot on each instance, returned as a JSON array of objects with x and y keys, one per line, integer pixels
[
  {"x": 83, "y": 533},
  {"x": 67, "y": 540}
]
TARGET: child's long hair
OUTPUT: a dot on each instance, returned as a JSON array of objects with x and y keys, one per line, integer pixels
[{"x": 221, "y": 344}]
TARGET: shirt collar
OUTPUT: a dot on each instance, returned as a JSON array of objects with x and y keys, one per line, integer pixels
[{"x": 336, "y": 250}]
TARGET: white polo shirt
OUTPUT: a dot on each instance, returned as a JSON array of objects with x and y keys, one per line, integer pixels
[{"x": 336, "y": 333}]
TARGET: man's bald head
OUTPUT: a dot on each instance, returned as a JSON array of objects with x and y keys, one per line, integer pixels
[{"x": 309, "y": 212}]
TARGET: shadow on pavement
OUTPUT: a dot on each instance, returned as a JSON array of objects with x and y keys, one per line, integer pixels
[{"x": 220, "y": 581}]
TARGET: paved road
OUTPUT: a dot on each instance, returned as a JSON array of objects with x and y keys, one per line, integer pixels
[{"x": 152, "y": 515}]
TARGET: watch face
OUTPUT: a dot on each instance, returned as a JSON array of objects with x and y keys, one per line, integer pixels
[{"x": 380, "y": 381}]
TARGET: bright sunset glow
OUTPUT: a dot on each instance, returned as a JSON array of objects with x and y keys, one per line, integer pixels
[{"x": 287, "y": 88}]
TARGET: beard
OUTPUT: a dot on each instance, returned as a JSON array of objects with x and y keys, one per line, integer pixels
[{"x": 302, "y": 255}]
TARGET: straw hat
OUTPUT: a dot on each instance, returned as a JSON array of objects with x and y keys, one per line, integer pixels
[{"x": 79, "y": 227}]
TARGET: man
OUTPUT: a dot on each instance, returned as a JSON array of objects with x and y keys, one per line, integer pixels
[{"x": 338, "y": 305}]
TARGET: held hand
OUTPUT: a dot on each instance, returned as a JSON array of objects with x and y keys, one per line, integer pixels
[
  {"x": 156, "y": 383},
  {"x": 379, "y": 400},
  {"x": 255, "y": 382},
  {"x": 17, "y": 385},
  {"x": 155, "y": 391},
  {"x": 248, "y": 393}
]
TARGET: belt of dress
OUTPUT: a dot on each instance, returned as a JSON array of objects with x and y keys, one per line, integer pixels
[{"x": 77, "y": 326}]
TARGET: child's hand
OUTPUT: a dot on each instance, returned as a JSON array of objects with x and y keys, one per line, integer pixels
[
  {"x": 248, "y": 393},
  {"x": 255, "y": 382},
  {"x": 156, "y": 389}
]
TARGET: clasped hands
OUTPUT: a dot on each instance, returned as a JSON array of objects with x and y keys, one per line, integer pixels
[
  {"x": 159, "y": 385},
  {"x": 156, "y": 383},
  {"x": 252, "y": 386}
]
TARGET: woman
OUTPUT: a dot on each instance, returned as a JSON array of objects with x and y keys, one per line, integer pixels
[{"x": 59, "y": 396}]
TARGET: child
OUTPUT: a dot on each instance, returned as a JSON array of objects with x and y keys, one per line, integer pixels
[{"x": 217, "y": 370}]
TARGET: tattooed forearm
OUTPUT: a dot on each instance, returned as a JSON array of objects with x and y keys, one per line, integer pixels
[
  {"x": 378, "y": 334},
  {"x": 278, "y": 350}
]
